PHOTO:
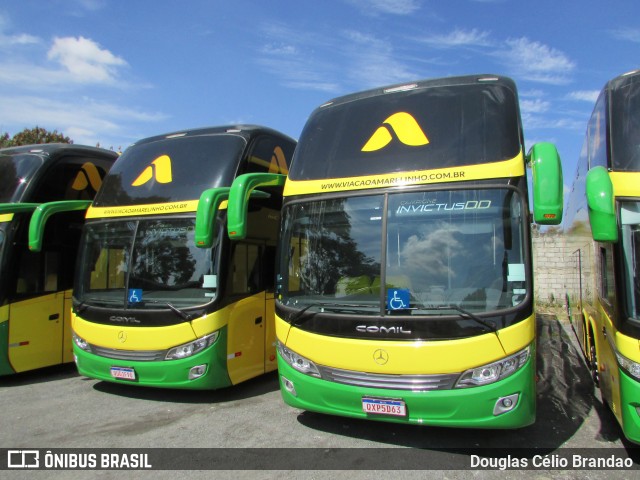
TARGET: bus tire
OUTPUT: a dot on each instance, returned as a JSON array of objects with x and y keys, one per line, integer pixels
[{"x": 593, "y": 363}]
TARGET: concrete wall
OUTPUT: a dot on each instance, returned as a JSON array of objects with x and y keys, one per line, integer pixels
[{"x": 555, "y": 267}]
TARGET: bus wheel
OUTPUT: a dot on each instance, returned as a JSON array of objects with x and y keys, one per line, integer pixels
[{"x": 593, "y": 364}]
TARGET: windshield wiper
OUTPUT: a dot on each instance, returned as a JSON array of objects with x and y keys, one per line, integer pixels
[
  {"x": 293, "y": 320},
  {"x": 472, "y": 316},
  {"x": 181, "y": 313}
]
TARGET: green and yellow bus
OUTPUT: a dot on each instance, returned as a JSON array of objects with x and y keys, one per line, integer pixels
[
  {"x": 162, "y": 296},
  {"x": 602, "y": 233},
  {"x": 35, "y": 287},
  {"x": 405, "y": 286}
]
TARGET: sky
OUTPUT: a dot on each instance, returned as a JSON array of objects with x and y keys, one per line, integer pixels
[{"x": 111, "y": 72}]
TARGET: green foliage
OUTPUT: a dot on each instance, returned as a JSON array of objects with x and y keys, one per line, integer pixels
[{"x": 31, "y": 136}]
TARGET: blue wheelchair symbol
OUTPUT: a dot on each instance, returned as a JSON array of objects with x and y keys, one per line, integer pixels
[
  {"x": 398, "y": 299},
  {"x": 135, "y": 295}
]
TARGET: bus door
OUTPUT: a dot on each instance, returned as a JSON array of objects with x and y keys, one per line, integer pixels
[
  {"x": 247, "y": 323},
  {"x": 607, "y": 363},
  {"x": 36, "y": 330},
  {"x": 40, "y": 295}
]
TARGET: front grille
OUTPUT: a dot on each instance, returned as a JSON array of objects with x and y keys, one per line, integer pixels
[
  {"x": 134, "y": 355},
  {"x": 416, "y": 383}
]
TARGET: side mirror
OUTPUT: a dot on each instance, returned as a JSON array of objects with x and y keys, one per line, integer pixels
[
  {"x": 602, "y": 213},
  {"x": 547, "y": 184},
  {"x": 242, "y": 189}
]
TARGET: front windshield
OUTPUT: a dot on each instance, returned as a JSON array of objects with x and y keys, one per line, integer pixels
[
  {"x": 16, "y": 172},
  {"x": 144, "y": 264},
  {"x": 630, "y": 220},
  {"x": 410, "y": 253},
  {"x": 625, "y": 125}
]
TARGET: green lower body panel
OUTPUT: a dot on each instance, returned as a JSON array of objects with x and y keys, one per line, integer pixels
[
  {"x": 162, "y": 374},
  {"x": 630, "y": 401},
  {"x": 473, "y": 407}
]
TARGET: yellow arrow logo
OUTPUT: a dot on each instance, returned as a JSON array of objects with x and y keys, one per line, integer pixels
[
  {"x": 88, "y": 175},
  {"x": 404, "y": 126},
  {"x": 160, "y": 169},
  {"x": 278, "y": 162}
]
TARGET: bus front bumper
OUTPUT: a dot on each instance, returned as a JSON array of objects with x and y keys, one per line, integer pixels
[
  {"x": 630, "y": 401},
  {"x": 473, "y": 407},
  {"x": 210, "y": 365}
]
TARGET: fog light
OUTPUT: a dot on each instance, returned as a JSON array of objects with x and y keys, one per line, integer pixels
[
  {"x": 506, "y": 404},
  {"x": 197, "y": 371},
  {"x": 288, "y": 386}
]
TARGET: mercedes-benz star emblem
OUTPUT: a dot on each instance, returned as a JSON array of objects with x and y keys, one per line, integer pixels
[
  {"x": 380, "y": 356},
  {"x": 122, "y": 336}
]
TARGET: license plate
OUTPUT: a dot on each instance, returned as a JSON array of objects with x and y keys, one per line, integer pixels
[
  {"x": 123, "y": 373},
  {"x": 384, "y": 406}
]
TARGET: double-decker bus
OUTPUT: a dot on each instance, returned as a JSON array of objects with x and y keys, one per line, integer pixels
[
  {"x": 35, "y": 287},
  {"x": 602, "y": 235},
  {"x": 405, "y": 287},
  {"x": 162, "y": 296}
]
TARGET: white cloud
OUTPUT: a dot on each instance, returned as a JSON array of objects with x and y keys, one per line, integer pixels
[
  {"x": 293, "y": 57},
  {"x": 536, "y": 62},
  {"x": 394, "y": 7},
  {"x": 373, "y": 62},
  {"x": 627, "y": 34},
  {"x": 534, "y": 106},
  {"x": 85, "y": 60},
  {"x": 14, "y": 40},
  {"x": 459, "y": 38},
  {"x": 84, "y": 120},
  {"x": 584, "y": 95}
]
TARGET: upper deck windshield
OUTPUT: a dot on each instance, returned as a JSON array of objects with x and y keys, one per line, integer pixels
[
  {"x": 437, "y": 127},
  {"x": 16, "y": 171},
  {"x": 415, "y": 254},
  {"x": 144, "y": 264},
  {"x": 625, "y": 125},
  {"x": 148, "y": 173}
]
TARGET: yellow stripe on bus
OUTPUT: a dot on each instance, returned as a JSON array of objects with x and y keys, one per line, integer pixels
[
  {"x": 625, "y": 184},
  {"x": 149, "y": 209},
  {"x": 505, "y": 169},
  {"x": 401, "y": 357}
]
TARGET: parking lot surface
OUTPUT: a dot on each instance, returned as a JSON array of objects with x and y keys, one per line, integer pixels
[{"x": 251, "y": 433}]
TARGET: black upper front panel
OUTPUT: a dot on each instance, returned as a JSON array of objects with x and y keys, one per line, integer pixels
[
  {"x": 172, "y": 169},
  {"x": 429, "y": 125}
]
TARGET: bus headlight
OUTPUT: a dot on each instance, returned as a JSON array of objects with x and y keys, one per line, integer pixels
[
  {"x": 493, "y": 372},
  {"x": 298, "y": 362},
  {"x": 81, "y": 343},
  {"x": 191, "y": 348},
  {"x": 629, "y": 366}
]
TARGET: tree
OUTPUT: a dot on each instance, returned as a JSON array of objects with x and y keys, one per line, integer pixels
[
  {"x": 32, "y": 136},
  {"x": 5, "y": 141}
]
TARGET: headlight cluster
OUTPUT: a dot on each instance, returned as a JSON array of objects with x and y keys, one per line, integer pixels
[
  {"x": 494, "y": 371},
  {"x": 81, "y": 343},
  {"x": 629, "y": 366},
  {"x": 298, "y": 362},
  {"x": 191, "y": 348}
]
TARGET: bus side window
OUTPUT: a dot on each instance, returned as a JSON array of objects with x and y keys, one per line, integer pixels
[
  {"x": 268, "y": 155},
  {"x": 607, "y": 286},
  {"x": 245, "y": 272}
]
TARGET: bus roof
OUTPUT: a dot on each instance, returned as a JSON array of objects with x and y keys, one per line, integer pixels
[
  {"x": 622, "y": 80},
  {"x": 426, "y": 83},
  {"x": 246, "y": 131},
  {"x": 54, "y": 150}
]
